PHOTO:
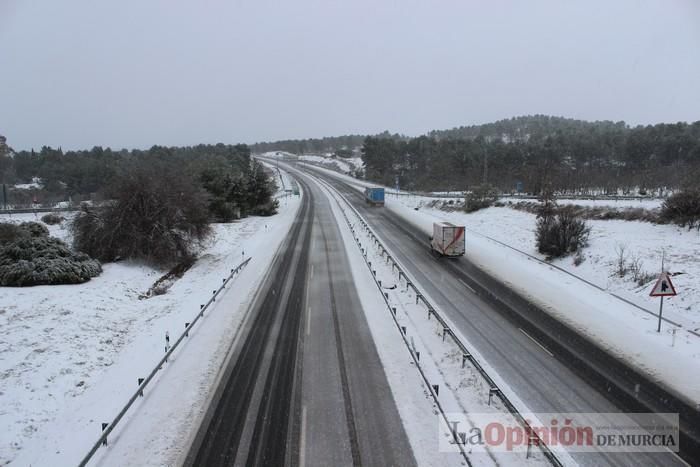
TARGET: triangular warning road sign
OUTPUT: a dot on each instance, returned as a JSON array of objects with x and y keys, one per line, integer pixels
[{"x": 663, "y": 287}]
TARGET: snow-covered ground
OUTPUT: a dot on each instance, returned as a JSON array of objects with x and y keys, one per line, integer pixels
[
  {"x": 338, "y": 164},
  {"x": 640, "y": 241},
  {"x": 646, "y": 203},
  {"x": 622, "y": 329},
  {"x": 70, "y": 355}
]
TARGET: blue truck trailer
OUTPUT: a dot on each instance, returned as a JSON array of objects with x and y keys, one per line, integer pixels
[{"x": 374, "y": 196}]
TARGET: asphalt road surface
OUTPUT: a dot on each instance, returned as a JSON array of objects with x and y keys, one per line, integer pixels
[
  {"x": 304, "y": 384},
  {"x": 545, "y": 383}
]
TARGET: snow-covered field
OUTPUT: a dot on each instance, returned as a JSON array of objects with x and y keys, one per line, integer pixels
[
  {"x": 70, "y": 355},
  {"x": 646, "y": 203},
  {"x": 640, "y": 241},
  {"x": 617, "y": 326}
]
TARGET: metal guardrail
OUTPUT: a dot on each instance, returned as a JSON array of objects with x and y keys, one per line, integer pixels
[
  {"x": 447, "y": 329},
  {"x": 414, "y": 357},
  {"x": 107, "y": 428},
  {"x": 37, "y": 210}
]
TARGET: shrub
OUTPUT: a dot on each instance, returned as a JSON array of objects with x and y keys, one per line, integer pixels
[
  {"x": 267, "y": 209},
  {"x": 682, "y": 208},
  {"x": 158, "y": 215},
  {"x": 34, "y": 229},
  {"x": 52, "y": 219},
  {"x": 10, "y": 233},
  {"x": 561, "y": 234},
  {"x": 40, "y": 260},
  {"x": 482, "y": 196},
  {"x": 644, "y": 278}
]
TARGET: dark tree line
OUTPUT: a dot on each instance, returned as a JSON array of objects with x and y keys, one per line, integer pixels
[
  {"x": 525, "y": 127},
  {"x": 334, "y": 144},
  {"x": 233, "y": 182},
  {"x": 571, "y": 156}
]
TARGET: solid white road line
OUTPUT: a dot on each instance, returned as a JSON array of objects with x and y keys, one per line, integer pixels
[
  {"x": 302, "y": 441},
  {"x": 538, "y": 344},
  {"x": 467, "y": 286},
  {"x": 308, "y": 322},
  {"x": 312, "y": 272}
]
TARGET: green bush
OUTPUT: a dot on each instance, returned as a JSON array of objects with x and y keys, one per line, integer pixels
[
  {"x": 482, "y": 196},
  {"x": 682, "y": 208},
  {"x": 40, "y": 260},
  {"x": 158, "y": 215},
  {"x": 35, "y": 229},
  {"x": 267, "y": 209},
  {"x": 10, "y": 233},
  {"x": 562, "y": 233},
  {"x": 52, "y": 219}
]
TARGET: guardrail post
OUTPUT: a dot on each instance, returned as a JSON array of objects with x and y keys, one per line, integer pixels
[
  {"x": 465, "y": 356},
  {"x": 436, "y": 388},
  {"x": 531, "y": 440},
  {"x": 393, "y": 310},
  {"x": 493, "y": 391},
  {"x": 386, "y": 295},
  {"x": 444, "y": 332},
  {"x": 403, "y": 330},
  {"x": 417, "y": 355},
  {"x": 167, "y": 343},
  {"x": 187, "y": 334},
  {"x": 214, "y": 293},
  {"x": 102, "y": 440},
  {"x": 418, "y": 296}
]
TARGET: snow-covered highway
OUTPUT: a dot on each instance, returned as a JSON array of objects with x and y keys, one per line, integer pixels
[
  {"x": 507, "y": 339},
  {"x": 305, "y": 377}
]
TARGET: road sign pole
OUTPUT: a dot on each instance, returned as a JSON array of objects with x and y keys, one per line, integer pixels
[{"x": 661, "y": 310}]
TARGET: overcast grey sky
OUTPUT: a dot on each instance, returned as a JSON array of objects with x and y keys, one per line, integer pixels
[{"x": 133, "y": 73}]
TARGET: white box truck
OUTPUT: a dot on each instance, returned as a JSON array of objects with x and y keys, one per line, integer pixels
[{"x": 447, "y": 239}]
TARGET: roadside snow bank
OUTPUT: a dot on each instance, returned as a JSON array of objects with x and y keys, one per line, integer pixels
[{"x": 70, "y": 355}]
